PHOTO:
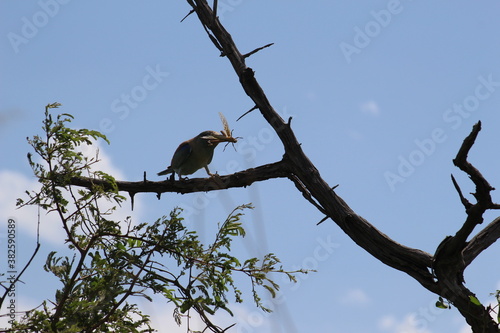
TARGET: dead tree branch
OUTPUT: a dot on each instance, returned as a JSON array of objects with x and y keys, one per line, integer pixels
[
  {"x": 441, "y": 274},
  {"x": 217, "y": 182},
  {"x": 486, "y": 237},
  {"x": 454, "y": 253},
  {"x": 412, "y": 261}
]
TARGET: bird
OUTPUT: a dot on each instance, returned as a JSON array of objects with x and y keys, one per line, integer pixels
[{"x": 195, "y": 153}]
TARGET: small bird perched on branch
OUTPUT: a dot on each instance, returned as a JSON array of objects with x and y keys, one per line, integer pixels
[{"x": 197, "y": 153}]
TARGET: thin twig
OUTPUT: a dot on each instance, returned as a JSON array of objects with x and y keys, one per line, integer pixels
[
  {"x": 244, "y": 114},
  {"x": 257, "y": 50},
  {"x": 18, "y": 277},
  {"x": 190, "y": 12},
  {"x": 464, "y": 200}
]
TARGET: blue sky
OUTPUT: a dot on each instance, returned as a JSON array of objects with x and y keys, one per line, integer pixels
[{"x": 382, "y": 93}]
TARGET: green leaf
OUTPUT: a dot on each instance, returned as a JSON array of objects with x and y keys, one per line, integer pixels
[
  {"x": 271, "y": 290},
  {"x": 185, "y": 306},
  {"x": 53, "y": 105},
  {"x": 474, "y": 300},
  {"x": 441, "y": 304}
]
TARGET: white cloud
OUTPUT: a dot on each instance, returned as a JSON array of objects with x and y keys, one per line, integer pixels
[
  {"x": 246, "y": 319},
  {"x": 23, "y": 303},
  {"x": 161, "y": 315},
  {"x": 14, "y": 184},
  {"x": 387, "y": 323},
  {"x": 409, "y": 324},
  {"x": 371, "y": 108},
  {"x": 355, "y": 297},
  {"x": 105, "y": 164}
]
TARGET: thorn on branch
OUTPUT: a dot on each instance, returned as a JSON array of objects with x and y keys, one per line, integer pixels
[
  {"x": 323, "y": 220},
  {"x": 254, "y": 108},
  {"x": 132, "y": 195},
  {"x": 185, "y": 17},
  {"x": 144, "y": 177},
  {"x": 228, "y": 327},
  {"x": 256, "y": 50}
]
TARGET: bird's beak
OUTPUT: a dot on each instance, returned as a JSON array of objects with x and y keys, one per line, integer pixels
[{"x": 217, "y": 138}]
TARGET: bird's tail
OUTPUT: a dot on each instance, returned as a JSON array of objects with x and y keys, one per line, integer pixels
[{"x": 165, "y": 172}]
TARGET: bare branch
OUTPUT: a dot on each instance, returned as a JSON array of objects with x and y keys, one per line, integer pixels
[
  {"x": 217, "y": 182},
  {"x": 465, "y": 202},
  {"x": 454, "y": 253},
  {"x": 475, "y": 212},
  {"x": 482, "y": 241},
  {"x": 483, "y": 188},
  {"x": 257, "y": 50}
]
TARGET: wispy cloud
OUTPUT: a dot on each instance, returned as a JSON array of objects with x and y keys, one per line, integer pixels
[
  {"x": 409, "y": 324},
  {"x": 355, "y": 297},
  {"x": 370, "y": 107}
]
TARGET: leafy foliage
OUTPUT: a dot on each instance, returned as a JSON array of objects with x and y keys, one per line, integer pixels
[{"x": 113, "y": 261}]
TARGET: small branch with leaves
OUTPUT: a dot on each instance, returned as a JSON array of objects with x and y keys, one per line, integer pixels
[{"x": 114, "y": 261}]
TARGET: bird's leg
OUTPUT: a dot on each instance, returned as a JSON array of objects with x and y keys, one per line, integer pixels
[
  {"x": 208, "y": 171},
  {"x": 172, "y": 178},
  {"x": 212, "y": 175}
]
